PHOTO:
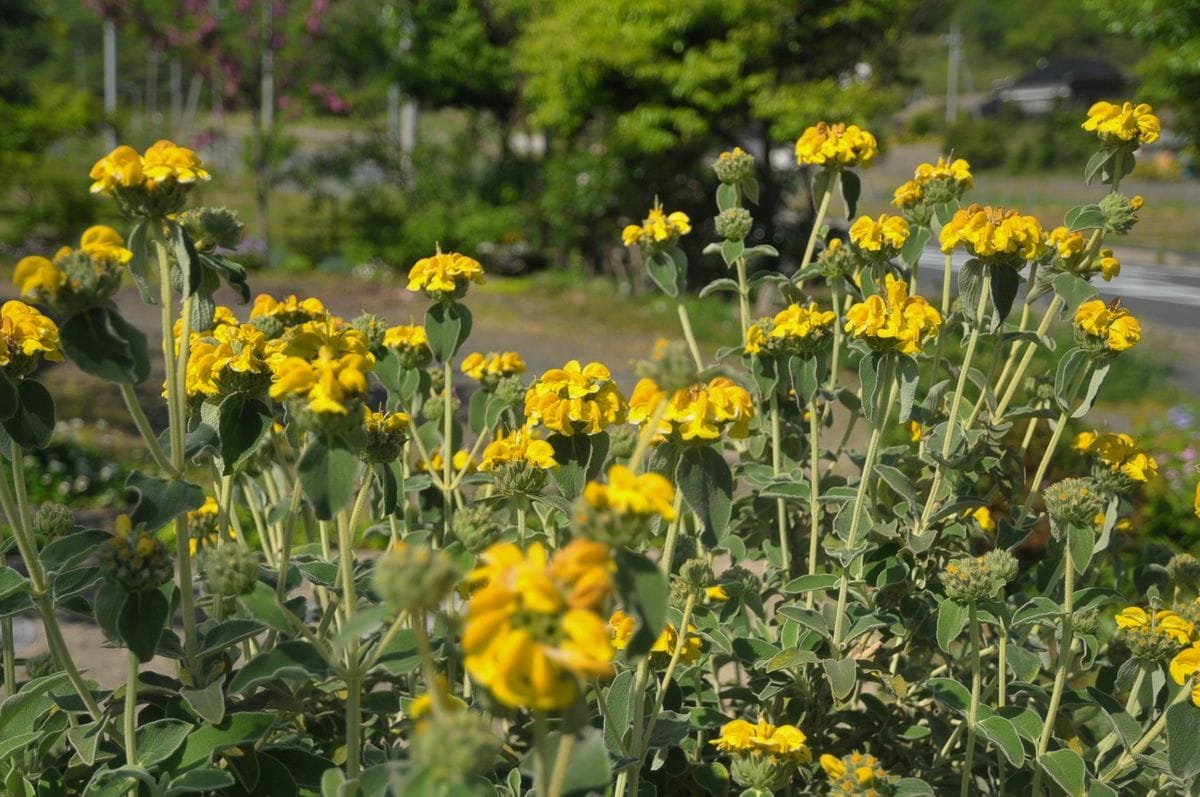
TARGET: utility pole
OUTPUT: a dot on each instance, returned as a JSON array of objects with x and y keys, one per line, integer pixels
[
  {"x": 954, "y": 42},
  {"x": 110, "y": 85}
]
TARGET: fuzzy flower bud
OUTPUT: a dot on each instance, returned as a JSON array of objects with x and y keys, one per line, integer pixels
[
  {"x": 475, "y": 527},
  {"x": 210, "y": 228},
  {"x": 1120, "y": 213},
  {"x": 53, "y": 521},
  {"x": 135, "y": 560},
  {"x": 697, "y": 574},
  {"x": 1184, "y": 571},
  {"x": 229, "y": 569},
  {"x": 457, "y": 746},
  {"x": 1072, "y": 502},
  {"x": 671, "y": 366},
  {"x": 972, "y": 579},
  {"x": 374, "y": 329},
  {"x": 41, "y": 665},
  {"x": 1002, "y": 565},
  {"x": 410, "y": 577},
  {"x": 734, "y": 166},
  {"x": 734, "y": 224}
]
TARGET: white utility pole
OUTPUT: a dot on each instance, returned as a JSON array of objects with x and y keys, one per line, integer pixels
[
  {"x": 110, "y": 85},
  {"x": 954, "y": 41}
]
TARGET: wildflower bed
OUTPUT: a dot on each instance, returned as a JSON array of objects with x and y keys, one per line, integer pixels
[{"x": 689, "y": 588}]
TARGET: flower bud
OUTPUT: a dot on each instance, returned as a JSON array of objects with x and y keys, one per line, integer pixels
[
  {"x": 734, "y": 224},
  {"x": 373, "y": 329},
  {"x": 40, "y": 665},
  {"x": 670, "y": 367},
  {"x": 475, "y": 527},
  {"x": 518, "y": 477},
  {"x": 1184, "y": 572},
  {"x": 456, "y": 745},
  {"x": 1002, "y": 565},
  {"x": 435, "y": 408},
  {"x": 734, "y": 166},
  {"x": 53, "y": 521},
  {"x": 210, "y": 228},
  {"x": 1085, "y": 622},
  {"x": 229, "y": 569},
  {"x": 697, "y": 574},
  {"x": 135, "y": 560},
  {"x": 411, "y": 577},
  {"x": 510, "y": 390},
  {"x": 1119, "y": 213},
  {"x": 1073, "y": 502}
]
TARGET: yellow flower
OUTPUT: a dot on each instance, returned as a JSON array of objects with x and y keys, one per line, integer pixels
[
  {"x": 406, "y": 336},
  {"x": 755, "y": 338},
  {"x": 165, "y": 162},
  {"x": 202, "y": 525},
  {"x": 531, "y": 634},
  {"x": 956, "y": 171},
  {"x": 873, "y": 235},
  {"x": 793, "y": 329},
  {"x": 629, "y": 493},
  {"x": 37, "y": 277},
  {"x": 1137, "y": 201},
  {"x": 914, "y": 431},
  {"x": 833, "y": 766},
  {"x": 102, "y": 243},
  {"x": 1068, "y": 244},
  {"x": 700, "y": 412},
  {"x": 518, "y": 446},
  {"x": 461, "y": 461},
  {"x": 1165, "y": 622},
  {"x": 1186, "y": 664},
  {"x": 669, "y": 638},
  {"x": 445, "y": 273},
  {"x": 493, "y": 366},
  {"x": 575, "y": 399},
  {"x": 1123, "y": 123},
  {"x": 1109, "y": 266},
  {"x": 1084, "y": 441},
  {"x": 784, "y": 742},
  {"x": 659, "y": 230},
  {"x": 121, "y": 168},
  {"x": 836, "y": 146},
  {"x": 1140, "y": 467},
  {"x": 327, "y": 384},
  {"x": 1197, "y": 499},
  {"x": 1111, "y": 326},
  {"x": 421, "y": 708},
  {"x": 908, "y": 194},
  {"x": 717, "y": 594},
  {"x": 227, "y": 360},
  {"x": 983, "y": 516},
  {"x": 896, "y": 321},
  {"x": 25, "y": 333},
  {"x": 986, "y": 231},
  {"x": 290, "y": 311}
]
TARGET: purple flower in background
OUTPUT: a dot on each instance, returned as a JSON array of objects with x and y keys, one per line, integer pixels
[{"x": 1180, "y": 417}]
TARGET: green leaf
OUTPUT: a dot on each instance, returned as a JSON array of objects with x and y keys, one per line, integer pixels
[
  {"x": 71, "y": 549},
  {"x": 227, "y": 634},
  {"x": 790, "y": 659},
  {"x": 448, "y": 325},
  {"x": 261, "y": 603},
  {"x": 664, "y": 273},
  {"x": 1068, "y": 376},
  {"x": 138, "y": 268},
  {"x": 726, "y": 196},
  {"x": 141, "y": 622},
  {"x": 950, "y": 693},
  {"x": 208, "y": 702},
  {"x": 200, "y": 781},
  {"x": 820, "y": 185},
  {"x": 1099, "y": 373},
  {"x": 11, "y": 582},
  {"x": 873, "y": 388},
  {"x": 911, "y": 787},
  {"x": 1003, "y": 734},
  {"x": 244, "y": 421},
  {"x": 105, "y": 345},
  {"x": 1005, "y": 282},
  {"x": 1099, "y": 162},
  {"x": 731, "y": 251},
  {"x": 842, "y": 675},
  {"x": 618, "y": 700},
  {"x": 896, "y": 479},
  {"x": 970, "y": 285},
  {"x": 785, "y": 487},
  {"x": 908, "y": 374},
  {"x": 110, "y": 599},
  {"x": 295, "y": 659},
  {"x": 18, "y": 743},
  {"x": 9, "y": 400},
  {"x": 762, "y": 250},
  {"x": 818, "y": 582},
  {"x": 85, "y": 739},
  {"x": 1081, "y": 542},
  {"x": 588, "y": 771},
  {"x": 1067, "y": 769},
  {"x": 911, "y": 252},
  {"x": 187, "y": 258},
  {"x": 643, "y": 591},
  {"x": 1084, "y": 217},
  {"x": 328, "y": 472},
  {"x": 712, "y": 778},
  {"x": 951, "y": 620},
  {"x": 580, "y": 459},
  {"x": 803, "y": 372},
  {"x": 719, "y": 285},
  {"x": 157, "y": 740},
  {"x": 851, "y": 191},
  {"x": 33, "y": 423},
  {"x": 158, "y": 501},
  {"x": 1183, "y": 739},
  {"x": 1073, "y": 290},
  {"x": 704, "y": 478},
  {"x": 208, "y": 740}
]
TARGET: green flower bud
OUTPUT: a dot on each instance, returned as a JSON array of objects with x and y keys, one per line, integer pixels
[
  {"x": 53, "y": 521},
  {"x": 1188, "y": 610},
  {"x": 210, "y": 228},
  {"x": 622, "y": 440},
  {"x": 41, "y": 665},
  {"x": 671, "y": 367},
  {"x": 229, "y": 569},
  {"x": 457, "y": 746},
  {"x": 475, "y": 527},
  {"x": 374, "y": 328},
  {"x": 734, "y": 224},
  {"x": 271, "y": 326},
  {"x": 1184, "y": 572},
  {"x": 696, "y": 574},
  {"x": 136, "y": 561},
  {"x": 410, "y": 577},
  {"x": 518, "y": 477},
  {"x": 436, "y": 407},
  {"x": 739, "y": 581},
  {"x": 1112, "y": 482},
  {"x": 510, "y": 390},
  {"x": 1002, "y": 565},
  {"x": 1086, "y": 622},
  {"x": 734, "y": 166},
  {"x": 1120, "y": 213},
  {"x": 765, "y": 772},
  {"x": 971, "y": 579},
  {"x": 437, "y": 378},
  {"x": 1149, "y": 645},
  {"x": 1072, "y": 502}
]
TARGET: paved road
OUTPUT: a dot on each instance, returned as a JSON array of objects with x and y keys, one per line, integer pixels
[{"x": 1166, "y": 296}]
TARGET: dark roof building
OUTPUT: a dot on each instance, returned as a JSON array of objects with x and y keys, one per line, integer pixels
[{"x": 1056, "y": 84}]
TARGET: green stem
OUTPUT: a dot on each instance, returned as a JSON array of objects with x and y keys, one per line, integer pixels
[
  {"x": 10, "y": 657},
  {"x": 143, "y": 426},
  {"x": 353, "y": 724},
  {"x": 743, "y": 297},
  {"x": 539, "y": 755},
  {"x": 835, "y": 298},
  {"x": 285, "y": 550},
  {"x": 1155, "y": 730},
  {"x": 818, "y": 220},
  {"x": 860, "y": 500},
  {"x": 647, "y": 433},
  {"x": 785, "y": 557},
  {"x": 947, "y": 281},
  {"x": 676, "y": 655},
  {"x": 1065, "y": 654},
  {"x": 973, "y": 710},
  {"x": 1002, "y": 692},
  {"x": 686, "y": 323},
  {"x": 1030, "y": 350},
  {"x": 814, "y": 498},
  {"x": 521, "y": 523},
  {"x": 428, "y": 667},
  {"x": 27, "y": 547},
  {"x": 558, "y": 777},
  {"x": 130, "y": 717},
  {"x": 447, "y": 446}
]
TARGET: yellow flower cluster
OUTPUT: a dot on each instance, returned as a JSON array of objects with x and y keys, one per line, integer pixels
[
  {"x": 493, "y": 366},
  {"x": 41, "y": 278},
  {"x": 575, "y": 399},
  {"x": 1123, "y": 123},
  {"x": 854, "y": 774},
  {"x": 697, "y": 413},
  {"x": 622, "y": 625},
  {"x": 1119, "y": 451},
  {"x": 896, "y": 321},
  {"x": 885, "y": 235},
  {"x": 629, "y": 493},
  {"x": 659, "y": 229},
  {"x": 445, "y": 274},
  {"x": 944, "y": 180},
  {"x": 1110, "y": 326},
  {"x": 1164, "y": 622},
  {"x": 987, "y": 232},
  {"x": 533, "y": 630},
  {"x": 289, "y": 312},
  {"x": 24, "y": 334},
  {"x": 1109, "y": 266},
  {"x": 226, "y": 359},
  {"x": 1069, "y": 245},
  {"x": 1185, "y": 666},
  {"x": 786, "y": 742},
  {"x": 518, "y": 446},
  {"x": 836, "y": 146},
  {"x": 323, "y": 362},
  {"x": 163, "y": 164},
  {"x": 406, "y": 336},
  {"x": 461, "y": 461},
  {"x": 793, "y": 327},
  {"x": 202, "y": 525}
]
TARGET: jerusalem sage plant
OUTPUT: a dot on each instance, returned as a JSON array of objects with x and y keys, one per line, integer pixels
[{"x": 695, "y": 587}]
